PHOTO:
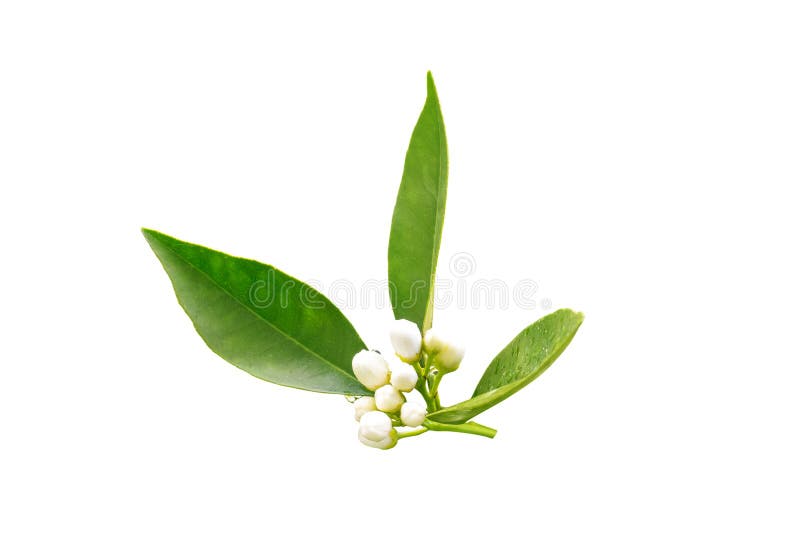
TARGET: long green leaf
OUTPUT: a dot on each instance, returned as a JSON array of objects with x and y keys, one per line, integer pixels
[
  {"x": 419, "y": 216},
  {"x": 261, "y": 320},
  {"x": 523, "y": 360}
]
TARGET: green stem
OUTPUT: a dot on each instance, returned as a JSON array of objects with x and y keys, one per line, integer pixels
[
  {"x": 432, "y": 385},
  {"x": 428, "y": 365},
  {"x": 412, "y": 433},
  {"x": 468, "y": 428},
  {"x": 435, "y": 390},
  {"x": 423, "y": 390},
  {"x": 423, "y": 386}
]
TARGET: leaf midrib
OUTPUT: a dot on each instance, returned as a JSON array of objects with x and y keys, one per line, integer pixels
[
  {"x": 263, "y": 320},
  {"x": 437, "y": 226}
]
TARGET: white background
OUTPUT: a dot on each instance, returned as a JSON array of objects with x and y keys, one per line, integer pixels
[{"x": 638, "y": 160}]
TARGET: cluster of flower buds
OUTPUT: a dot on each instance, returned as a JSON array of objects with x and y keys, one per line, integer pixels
[{"x": 379, "y": 416}]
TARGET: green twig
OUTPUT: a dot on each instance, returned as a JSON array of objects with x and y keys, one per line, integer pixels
[
  {"x": 468, "y": 428},
  {"x": 412, "y": 433},
  {"x": 434, "y": 389}
]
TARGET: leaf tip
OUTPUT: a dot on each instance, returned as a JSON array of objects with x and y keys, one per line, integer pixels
[
  {"x": 152, "y": 235},
  {"x": 154, "y": 238},
  {"x": 431, "y": 85},
  {"x": 148, "y": 234},
  {"x": 578, "y": 315}
]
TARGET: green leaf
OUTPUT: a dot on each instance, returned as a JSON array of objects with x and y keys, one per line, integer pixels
[
  {"x": 523, "y": 360},
  {"x": 261, "y": 320},
  {"x": 418, "y": 217}
]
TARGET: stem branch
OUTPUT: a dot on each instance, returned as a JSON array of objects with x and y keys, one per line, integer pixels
[
  {"x": 412, "y": 433},
  {"x": 434, "y": 389},
  {"x": 423, "y": 390},
  {"x": 468, "y": 428}
]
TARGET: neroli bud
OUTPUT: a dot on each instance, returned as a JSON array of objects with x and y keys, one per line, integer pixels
[
  {"x": 388, "y": 399},
  {"x": 404, "y": 377},
  {"x": 406, "y": 340},
  {"x": 371, "y": 369},
  {"x": 412, "y": 414},
  {"x": 446, "y": 354}
]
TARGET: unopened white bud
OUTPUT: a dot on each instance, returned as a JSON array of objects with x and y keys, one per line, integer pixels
[
  {"x": 386, "y": 443},
  {"x": 404, "y": 377},
  {"x": 446, "y": 355},
  {"x": 412, "y": 414},
  {"x": 406, "y": 340},
  {"x": 433, "y": 341},
  {"x": 370, "y": 369},
  {"x": 450, "y": 357},
  {"x": 364, "y": 405},
  {"x": 375, "y": 429},
  {"x": 388, "y": 399}
]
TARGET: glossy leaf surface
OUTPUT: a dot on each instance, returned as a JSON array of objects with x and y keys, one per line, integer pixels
[
  {"x": 418, "y": 217},
  {"x": 261, "y": 320},
  {"x": 523, "y": 360}
]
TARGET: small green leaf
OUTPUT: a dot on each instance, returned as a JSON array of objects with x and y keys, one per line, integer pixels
[
  {"x": 261, "y": 320},
  {"x": 523, "y": 360},
  {"x": 418, "y": 217}
]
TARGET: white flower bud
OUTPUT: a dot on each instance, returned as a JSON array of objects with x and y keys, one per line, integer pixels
[
  {"x": 374, "y": 426},
  {"x": 406, "y": 340},
  {"x": 432, "y": 342},
  {"x": 446, "y": 355},
  {"x": 388, "y": 399},
  {"x": 370, "y": 369},
  {"x": 412, "y": 414},
  {"x": 364, "y": 405},
  {"x": 404, "y": 377},
  {"x": 386, "y": 443},
  {"x": 449, "y": 358}
]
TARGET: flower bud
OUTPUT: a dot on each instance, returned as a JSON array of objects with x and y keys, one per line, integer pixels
[
  {"x": 406, "y": 340},
  {"x": 433, "y": 341},
  {"x": 370, "y": 369},
  {"x": 446, "y": 355},
  {"x": 450, "y": 358},
  {"x": 404, "y": 377},
  {"x": 388, "y": 399},
  {"x": 412, "y": 414},
  {"x": 374, "y": 426},
  {"x": 364, "y": 405},
  {"x": 386, "y": 443}
]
